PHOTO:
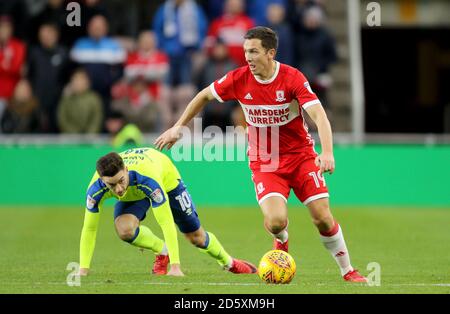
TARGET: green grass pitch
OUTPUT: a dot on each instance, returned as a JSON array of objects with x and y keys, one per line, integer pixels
[{"x": 411, "y": 245}]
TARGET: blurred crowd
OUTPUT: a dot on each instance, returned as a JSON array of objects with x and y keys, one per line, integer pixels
[{"x": 139, "y": 63}]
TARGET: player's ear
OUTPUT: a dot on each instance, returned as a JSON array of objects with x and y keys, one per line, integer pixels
[{"x": 272, "y": 52}]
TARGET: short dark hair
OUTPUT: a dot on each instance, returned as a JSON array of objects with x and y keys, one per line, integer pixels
[
  {"x": 109, "y": 165},
  {"x": 51, "y": 25},
  {"x": 269, "y": 39}
]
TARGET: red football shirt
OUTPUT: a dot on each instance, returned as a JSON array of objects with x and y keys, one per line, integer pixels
[
  {"x": 272, "y": 109},
  {"x": 152, "y": 67},
  {"x": 231, "y": 29},
  {"x": 12, "y": 58}
]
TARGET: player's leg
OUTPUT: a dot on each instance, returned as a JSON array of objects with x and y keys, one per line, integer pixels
[
  {"x": 275, "y": 214},
  {"x": 332, "y": 237},
  {"x": 310, "y": 188},
  {"x": 272, "y": 192},
  {"x": 186, "y": 218},
  {"x": 330, "y": 233},
  {"x": 127, "y": 217},
  {"x": 207, "y": 243}
]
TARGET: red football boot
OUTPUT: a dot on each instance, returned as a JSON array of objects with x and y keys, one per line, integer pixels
[
  {"x": 277, "y": 245},
  {"x": 242, "y": 267},
  {"x": 354, "y": 276},
  {"x": 160, "y": 265}
]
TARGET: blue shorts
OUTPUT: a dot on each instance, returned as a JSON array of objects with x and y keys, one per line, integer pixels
[{"x": 181, "y": 204}]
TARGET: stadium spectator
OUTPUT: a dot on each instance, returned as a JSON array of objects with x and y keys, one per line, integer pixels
[
  {"x": 316, "y": 52},
  {"x": 231, "y": 28},
  {"x": 152, "y": 65},
  {"x": 18, "y": 12},
  {"x": 12, "y": 59},
  {"x": 101, "y": 56},
  {"x": 91, "y": 8},
  {"x": 180, "y": 26},
  {"x": 80, "y": 109},
  {"x": 219, "y": 63},
  {"x": 276, "y": 19},
  {"x": 54, "y": 12},
  {"x": 123, "y": 134},
  {"x": 296, "y": 11},
  {"x": 21, "y": 114},
  {"x": 257, "y": 9},
  {"x": 136, "y": 103},
  {"x": 47, "y": 71},
  {"x": 88, "y": 9}
]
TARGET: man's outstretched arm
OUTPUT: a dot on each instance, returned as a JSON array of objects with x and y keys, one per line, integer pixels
[
  {"x": 326, "y": 159},
  {"x": 87, "y": 241},
  {"x": 196, "y": 105},
  {"x": 164, "y": 217}
]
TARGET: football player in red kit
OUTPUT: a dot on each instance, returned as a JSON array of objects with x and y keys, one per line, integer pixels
[{"x": 274, "y": 97}]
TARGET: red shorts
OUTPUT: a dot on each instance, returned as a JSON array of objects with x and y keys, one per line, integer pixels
[{"x": 295, "y": 171}]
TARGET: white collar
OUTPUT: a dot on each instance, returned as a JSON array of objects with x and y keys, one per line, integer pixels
[{"x": 274, "y": 76}]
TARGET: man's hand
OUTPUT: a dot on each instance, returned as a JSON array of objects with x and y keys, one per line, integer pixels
[
  {"x": 168, "y": 138},
  {"x": 83, "y": 272},
  {"x": 326, "y": 162},
  {"x": 175, "y": 270}
]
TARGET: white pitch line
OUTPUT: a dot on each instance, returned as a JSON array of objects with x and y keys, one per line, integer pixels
[
  {"x": 423, "y": 284},
  {"x": 148, "y": 283},
  {"x": 218, "y": 284}
]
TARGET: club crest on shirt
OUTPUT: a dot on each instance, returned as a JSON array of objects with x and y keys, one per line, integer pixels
[
  {"x": 308, "y": 87},
  {"x": 280, "y": 96},
  {"x": 157, "y": 196},
  {"x": 90, "y": 202}
]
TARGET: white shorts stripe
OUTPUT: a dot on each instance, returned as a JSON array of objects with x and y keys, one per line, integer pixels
[
  {"x": 271, "y": 195},
  {"x": 315, "y": 197}
]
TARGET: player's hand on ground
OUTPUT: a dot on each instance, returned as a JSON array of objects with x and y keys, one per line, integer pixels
[
  {"x": 83, "y": 272},
  {"x": 168, "y": 138},
  {"x": 326, "y": 162},
  {"x": 175, "y": 270}
]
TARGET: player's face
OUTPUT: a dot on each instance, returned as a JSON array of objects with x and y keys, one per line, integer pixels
[
  {"x": 259, "y": 59},
  {"x": 118, "y": 184}
]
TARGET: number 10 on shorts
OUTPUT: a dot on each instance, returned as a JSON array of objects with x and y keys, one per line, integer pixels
[
  {"x": 185, "y": 202},
  {"x": 317, "y": 176}
]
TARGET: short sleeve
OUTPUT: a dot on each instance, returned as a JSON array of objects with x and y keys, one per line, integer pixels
[
  {"x": 303, "y": 91},
  {"x": 152, "y": 189},
  {"x": 96, "y": 194},
  {"x": 223, "y": 89}
]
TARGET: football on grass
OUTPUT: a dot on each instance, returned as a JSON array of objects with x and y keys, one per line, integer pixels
[{"x": 277, "y": 267}]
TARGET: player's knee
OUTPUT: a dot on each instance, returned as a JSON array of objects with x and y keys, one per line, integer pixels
[
  {"x": 323, "y": 222},
  {"x": 126, "y": 233},
  {"x": 275, "y": 224},
  {"x": 196, "y": 238}
]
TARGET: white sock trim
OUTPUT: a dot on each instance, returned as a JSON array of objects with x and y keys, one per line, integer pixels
[
  {"x": 333, "y": 238},
  {"x": 345, "y": 270},
  {"x": 283, "y": 234},
  {"x": 164, "y": 250}
]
